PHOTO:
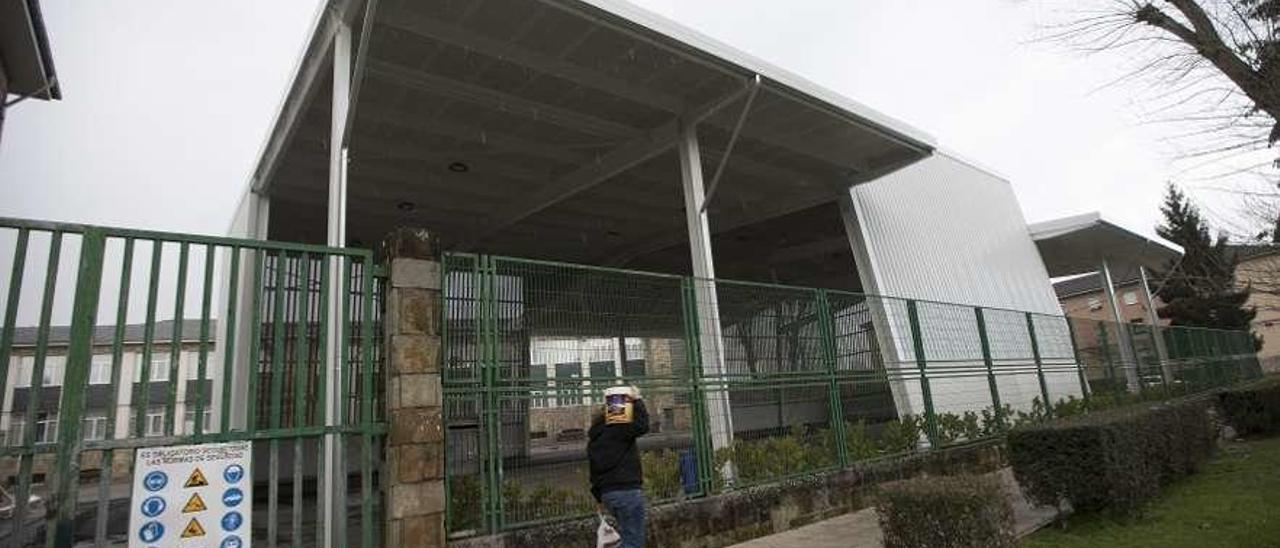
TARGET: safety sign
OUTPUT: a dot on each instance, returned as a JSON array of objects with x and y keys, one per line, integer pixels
[{"x": 192, "y": 495}]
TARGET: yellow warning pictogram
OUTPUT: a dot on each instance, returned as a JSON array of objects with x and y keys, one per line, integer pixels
[
  {"x": 194, "y": 504},
  {"x": 196, "y": 479},
  {"x": 193, "y": 529}
]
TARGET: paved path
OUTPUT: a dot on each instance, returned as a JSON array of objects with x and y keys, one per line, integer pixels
[{"x": 861, "y": 529}]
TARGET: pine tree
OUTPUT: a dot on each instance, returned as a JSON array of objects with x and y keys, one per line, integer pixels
[{"x": 1200, "y": 289}]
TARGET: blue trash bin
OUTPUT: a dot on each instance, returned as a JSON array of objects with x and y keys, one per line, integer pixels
[{"x": 688, "y": 472}]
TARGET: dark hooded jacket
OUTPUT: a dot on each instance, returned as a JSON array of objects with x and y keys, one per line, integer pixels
[{"x": 611, "y": 448}]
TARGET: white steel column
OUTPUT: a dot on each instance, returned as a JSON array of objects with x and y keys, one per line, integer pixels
[
  {"x": 1161, "y": 351},
  {"x": 334, "y": 468},
  {"x": 1127, "y": 357},
  {"x": 719, "y": 417},
  {"x": 885, "y": 319},
  {"x": 251, "y": 223}
]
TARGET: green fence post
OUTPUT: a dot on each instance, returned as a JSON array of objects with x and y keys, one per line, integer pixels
[
  {"x": 991, "y": 371},
  {"x": 827, "y": 335},
  {"x": 1035, "y": 354},
  {"x": 1165, "y": 381},
  {"x": 704, "y": 453},
  {"x": 1075, "y": 351},
  {"x": 492, "y": 417},
  {"x": 79, "y": 356},
  {"x": 917, "y": 339}
]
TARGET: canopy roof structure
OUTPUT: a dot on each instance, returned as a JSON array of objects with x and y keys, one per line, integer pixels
[
  {"x": 548, "y": 128},
  {"x": 1079, "y": 244},
  {"x": 24, "y": 51}
]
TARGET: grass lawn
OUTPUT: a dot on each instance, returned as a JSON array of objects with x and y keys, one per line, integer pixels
[{"x": 1234, "y": 501}]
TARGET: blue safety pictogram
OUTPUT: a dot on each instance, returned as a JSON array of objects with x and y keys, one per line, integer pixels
[
  {"x": 233, "y": 473},
  {"x": 231, "y": 521},
  {"x": 155, "y": 481},
  {"x": 232, "y": 497},
  {"x": 151, "y": 531},
  {"x": 153, "y": 506},
  {"x": 231, "y": 542}
]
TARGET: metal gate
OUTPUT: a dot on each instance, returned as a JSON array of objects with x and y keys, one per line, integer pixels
[{"x": 115, "y": 339}]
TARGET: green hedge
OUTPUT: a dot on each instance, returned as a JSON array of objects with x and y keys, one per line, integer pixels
[
  {"x": 1113, "y": 461},
  {"x": 948, "y": 512},
  {"x": 1252, "y": 409}
]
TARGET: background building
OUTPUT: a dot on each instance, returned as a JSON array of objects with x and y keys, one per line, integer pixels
[
  {"x": 18, "y": 419},
  {"x": 1258, "y": 267}
]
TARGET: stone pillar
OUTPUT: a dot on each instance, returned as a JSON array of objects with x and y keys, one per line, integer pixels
[{"x": 415, "y": 434}]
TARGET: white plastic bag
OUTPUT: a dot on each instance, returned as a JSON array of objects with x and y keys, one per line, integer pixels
[{"x": 606, "y": 535}]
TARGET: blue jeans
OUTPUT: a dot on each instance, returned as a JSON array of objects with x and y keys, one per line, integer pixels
[{"x": 627, "y": 506}]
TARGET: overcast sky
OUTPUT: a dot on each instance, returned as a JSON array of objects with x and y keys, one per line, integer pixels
[{"x": 167, "y": 103}]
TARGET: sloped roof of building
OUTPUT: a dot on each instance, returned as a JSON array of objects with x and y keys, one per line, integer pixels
[
  {"x": 549, "y": 129},
  {"x": 24, "y": 44},
  {"x": 1082, "y": 285},
  {"x": 1080, "y": 243},
  {"x": 102, "y": 334}
]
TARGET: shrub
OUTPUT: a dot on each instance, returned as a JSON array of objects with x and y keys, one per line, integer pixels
[
  {"x": 953, "y": 427},
  {"x": 1111, "y": 461},
  {"x": 902, "y": 435},
  {"x": 465, "y": 503},
  {"x": 858, "y": 441},
  {"x": 661, "y": 474},
  {"x": 799, "y": 451},
  {"x": 1252, "y": 409},
  {"x": 956, "y": 512}
]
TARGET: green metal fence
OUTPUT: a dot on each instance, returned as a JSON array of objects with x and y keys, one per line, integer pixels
[
  {"x": 115, "y": 339},
  {"x": 751, "y": 383}
]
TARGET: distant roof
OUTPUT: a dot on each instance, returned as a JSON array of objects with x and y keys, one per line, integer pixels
[
  {"x": 133, "y": 333},
  {"x": 1080, "y": 243},
  {"x": 1244, "y": 252},
  {"x": 1089, "y": 283},
  {"x": 24, "y": 50}
]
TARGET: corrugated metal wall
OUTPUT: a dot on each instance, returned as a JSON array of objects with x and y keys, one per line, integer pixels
[{"x": 945, "y": 230}]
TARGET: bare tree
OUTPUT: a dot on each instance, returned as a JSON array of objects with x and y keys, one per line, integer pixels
[
  {"x": 1212, "y": 69},
  {"x": 1212, "y": 63}
]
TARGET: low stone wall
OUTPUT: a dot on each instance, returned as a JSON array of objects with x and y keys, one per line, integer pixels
[{"x": 749, "y": 513}]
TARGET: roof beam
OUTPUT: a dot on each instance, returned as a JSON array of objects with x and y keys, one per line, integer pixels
[
  {"x": 474, "y": 134},
  {"x": 408, "y": 21},
  {"x": 295, "y": 101},
  {"x": 357, "y": 71},
  {"x": 488, "y": 97},
  {"x": 667, "y": 238},
  {"x": 602, "y": 169}
]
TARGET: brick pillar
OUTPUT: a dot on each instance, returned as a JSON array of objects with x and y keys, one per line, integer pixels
[{"x": 415, "y": 438}]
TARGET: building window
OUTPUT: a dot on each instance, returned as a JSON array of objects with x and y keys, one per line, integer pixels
[
  {"x": 633, "y": 369},
  {"x": 100, "y": 370},
  {"x": 95, "y": 427},
  {"x": 25, "y": 372},
  {"x": 159, "y": 370},
  {"x": 1095, "y": 303},
  {"x": 46, "y": 428},
  {"x": 52, "y": 374},
  {"x": 17, "y": 427},
  {"x": 568, "y": 388},
  {"x": 154, "y": 425},
  {"x": 602, "y": 375},
  {"x": 189, "y": 421},
  {"x": 538, "y": 376},
  {"x": 1130, "y": 298}
]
